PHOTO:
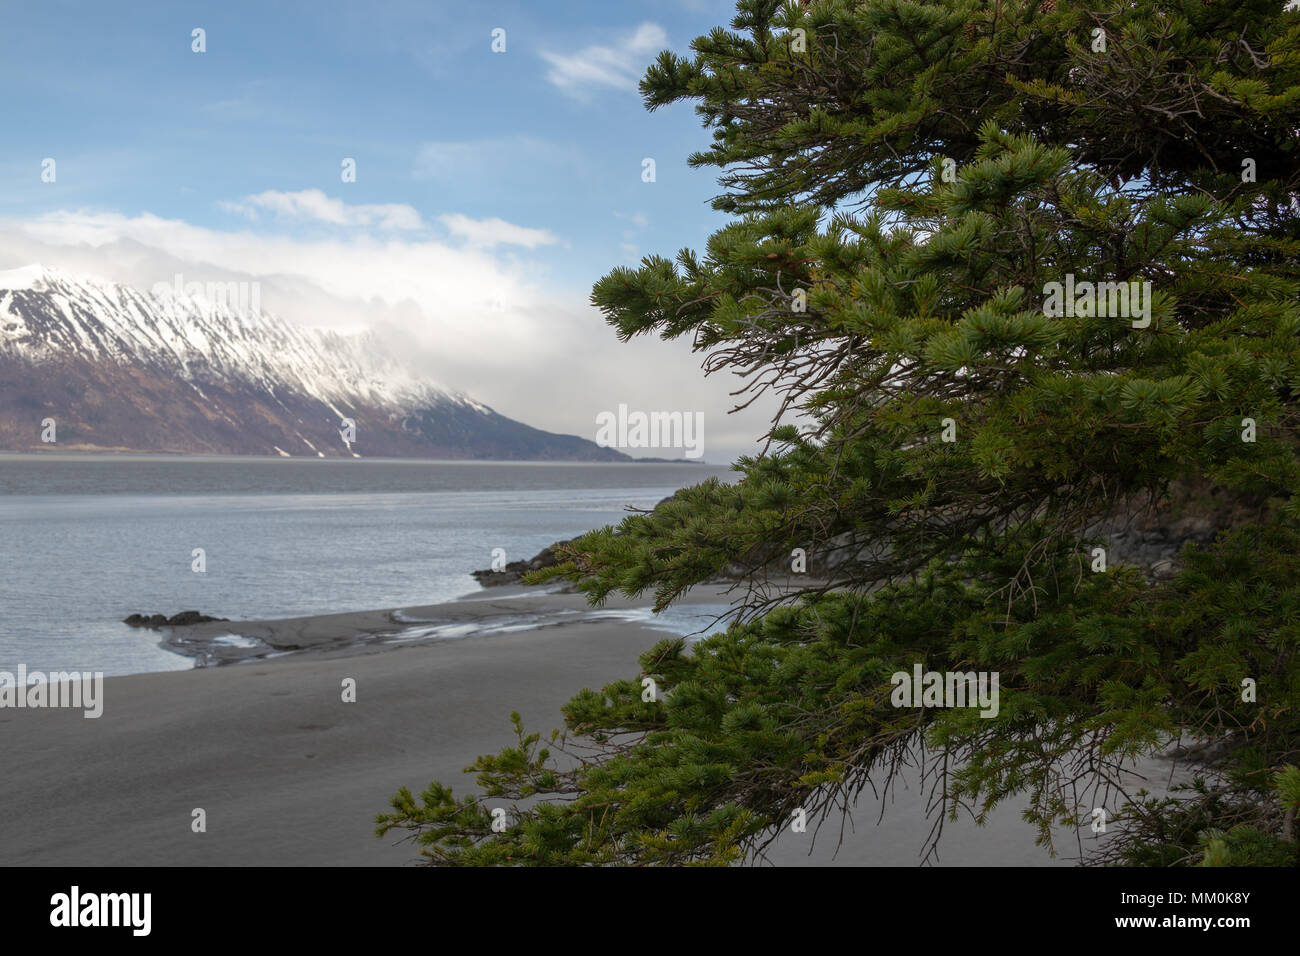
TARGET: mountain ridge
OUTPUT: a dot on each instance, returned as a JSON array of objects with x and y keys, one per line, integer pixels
[{"x": 203, "y": 369}]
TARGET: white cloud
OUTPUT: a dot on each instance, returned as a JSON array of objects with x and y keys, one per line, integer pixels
[
  {"x": 486, "y": 233},
  {"x": 312, "y": 205},
  {"x": 462, "y": 290},
  {"x": 620, "y": 65},
  {"x": 467, "y": 316}
]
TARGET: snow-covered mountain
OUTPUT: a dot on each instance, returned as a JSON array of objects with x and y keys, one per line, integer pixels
[{"x": 204, "y": 369}]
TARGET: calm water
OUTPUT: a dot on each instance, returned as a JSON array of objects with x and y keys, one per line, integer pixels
[{"x": 85, "y": 541}]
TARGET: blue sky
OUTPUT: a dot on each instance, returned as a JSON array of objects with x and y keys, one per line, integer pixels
[{"x": 491, "y": 189}]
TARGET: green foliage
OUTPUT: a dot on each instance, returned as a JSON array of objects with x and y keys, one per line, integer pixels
[
  {"x": 926, "y": 300},
  {"x": 1246, "y": 846},
  {"x": 1287, "y": 781}
]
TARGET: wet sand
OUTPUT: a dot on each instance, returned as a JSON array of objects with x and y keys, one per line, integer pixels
[{"x": 289, "y": 774}]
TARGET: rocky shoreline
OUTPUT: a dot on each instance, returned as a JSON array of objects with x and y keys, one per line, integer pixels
[
  {"x": 182, "y": 619},
  {"x": 513, "y": 572}
]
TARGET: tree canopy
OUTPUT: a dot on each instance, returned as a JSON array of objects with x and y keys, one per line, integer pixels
[{"x": 919, "y": 192}]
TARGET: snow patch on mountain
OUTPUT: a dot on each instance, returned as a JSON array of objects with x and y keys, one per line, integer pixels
[
  {"x": 46, "y": 314},
  {"x": 22, "y": 278}
]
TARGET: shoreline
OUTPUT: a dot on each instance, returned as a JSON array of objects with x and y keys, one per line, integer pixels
[
  {"x": 499, "y": 610},
  {"x": 92, "y": 453},
  {"x": 288, "y": 772}
]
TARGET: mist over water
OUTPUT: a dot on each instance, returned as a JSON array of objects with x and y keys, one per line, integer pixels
[{"x": 85, "y": 541}]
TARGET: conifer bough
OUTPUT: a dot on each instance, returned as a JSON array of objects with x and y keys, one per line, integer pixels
[{"x": 906, "y": 179}]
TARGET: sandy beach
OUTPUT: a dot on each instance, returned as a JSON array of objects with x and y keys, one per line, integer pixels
[{"x": 289, "y": 774}]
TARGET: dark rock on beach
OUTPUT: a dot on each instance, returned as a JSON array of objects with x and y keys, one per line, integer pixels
[
  {"x": 176, "y": 620},
  {"x": 514, "y": 571}
]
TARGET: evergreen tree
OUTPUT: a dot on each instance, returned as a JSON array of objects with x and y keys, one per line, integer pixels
[{"x": 917, "y": 189}]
